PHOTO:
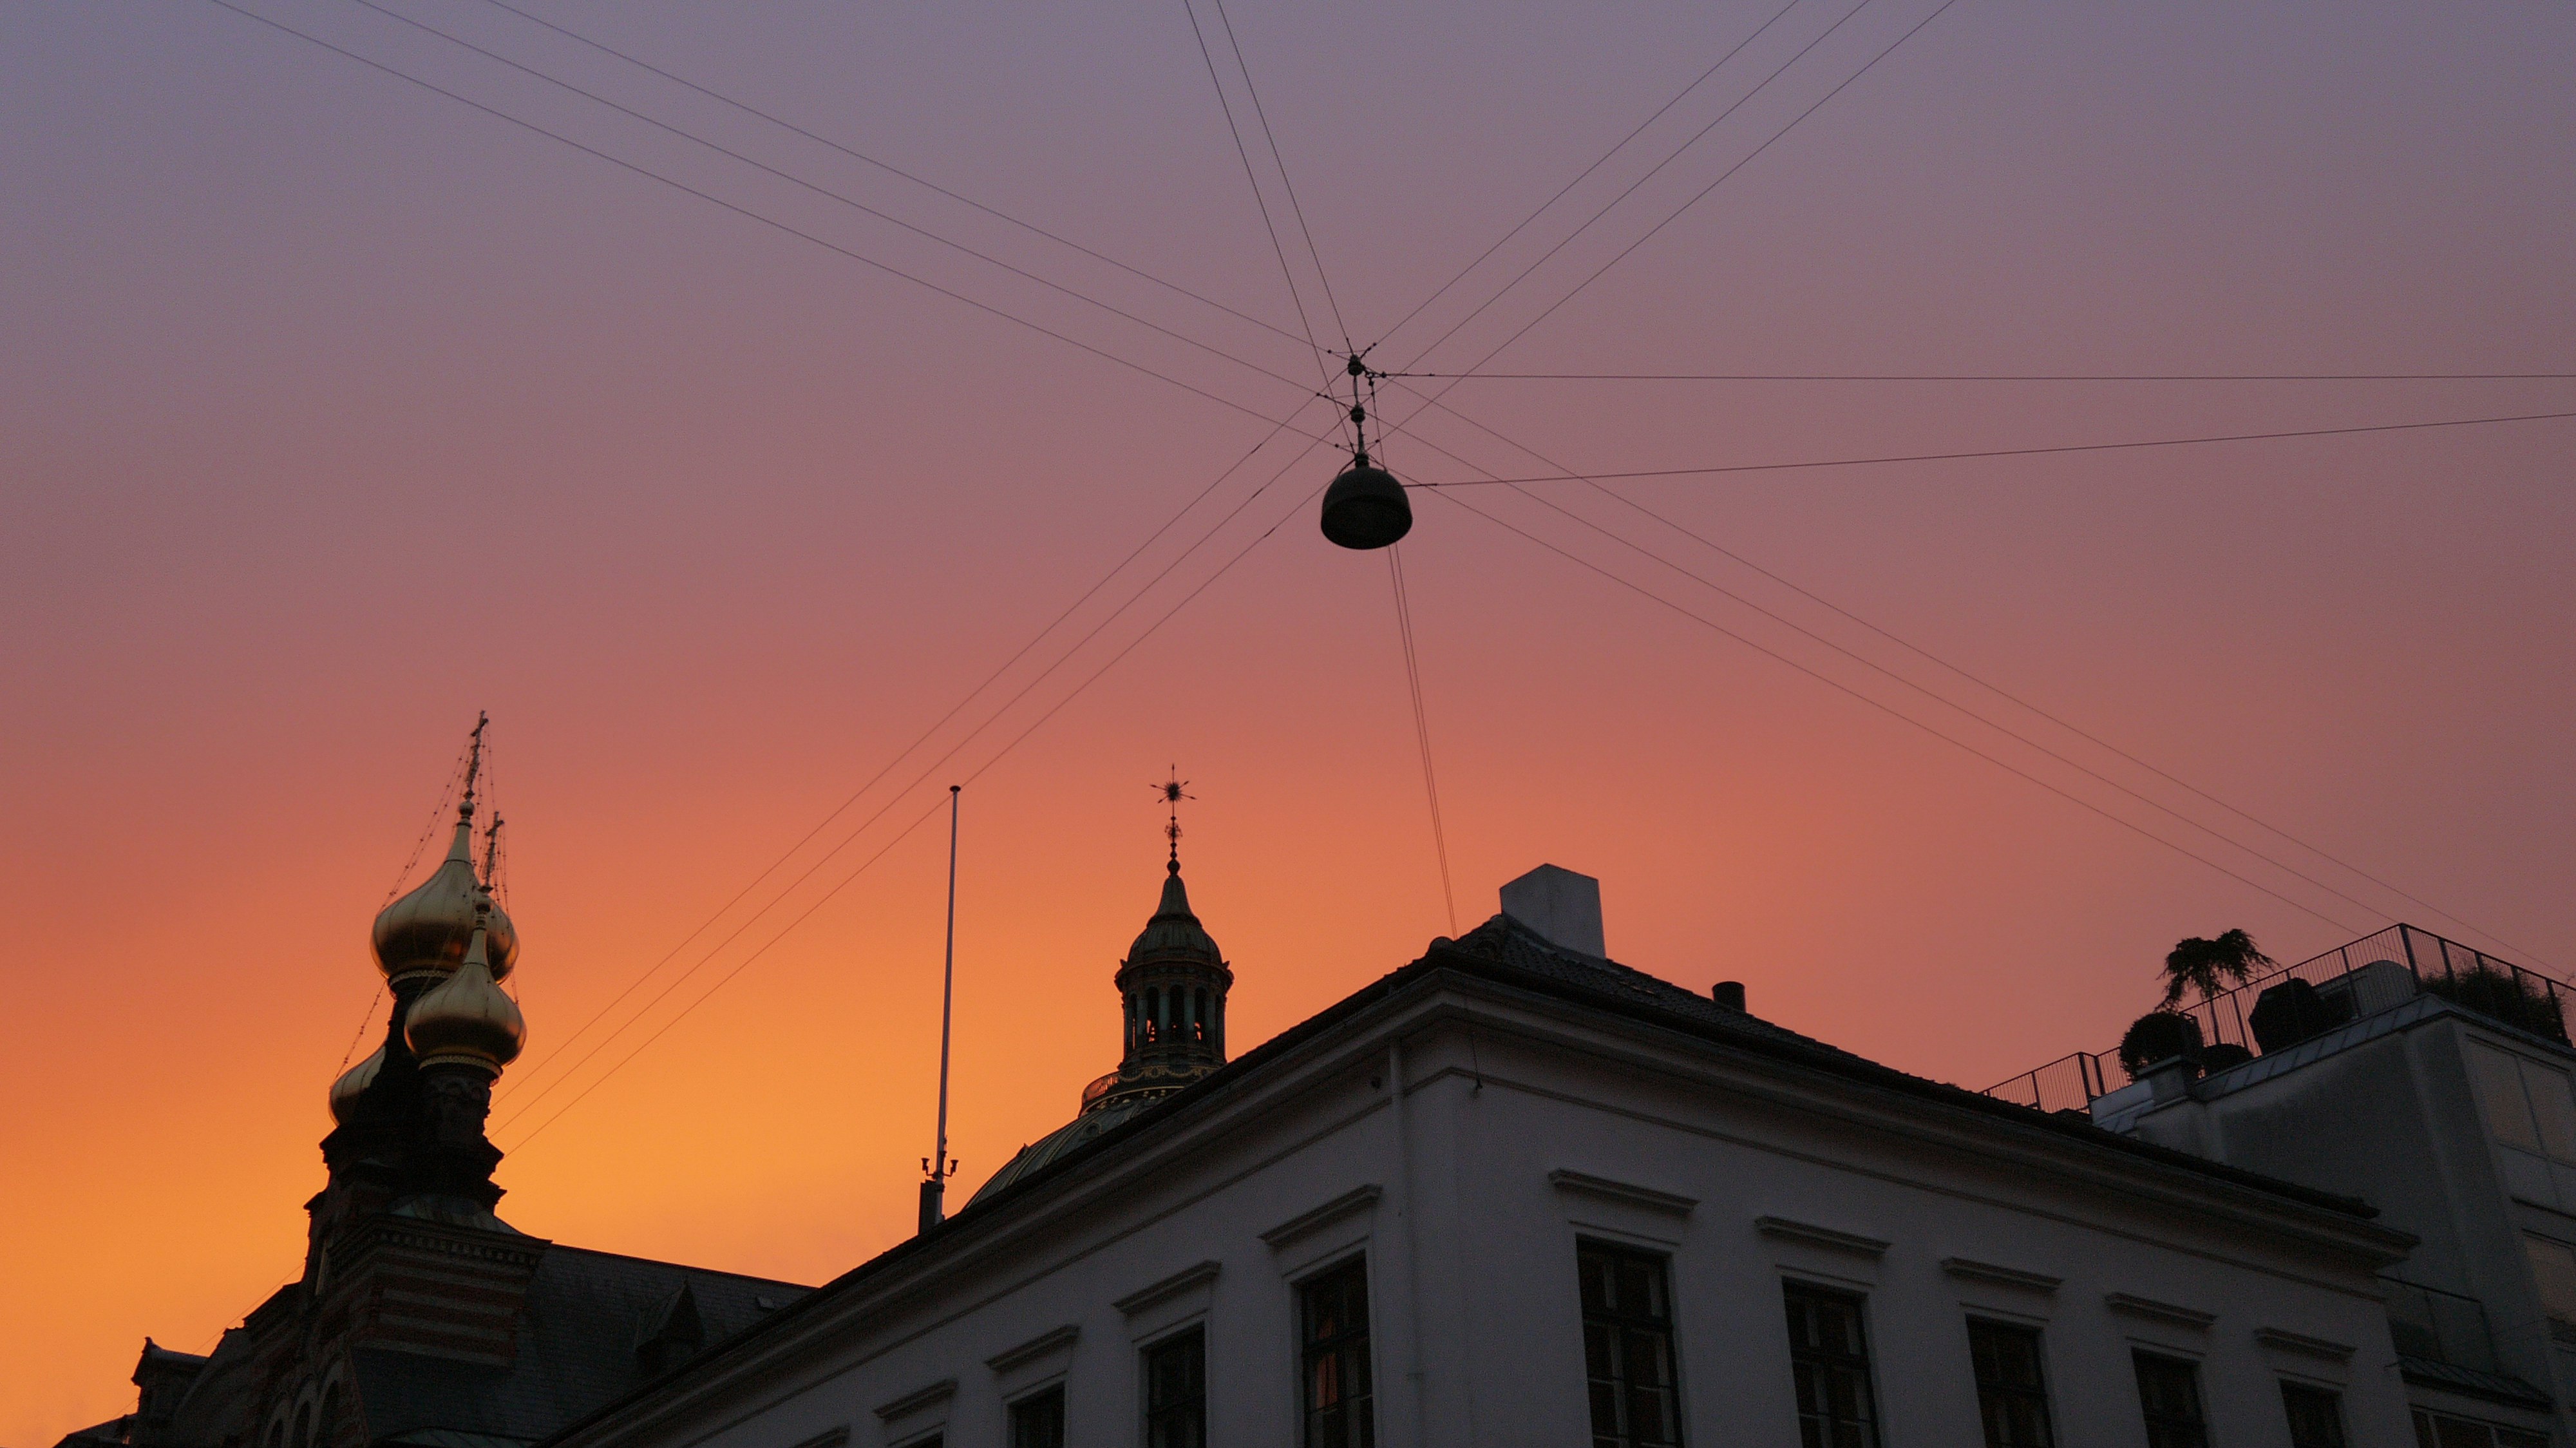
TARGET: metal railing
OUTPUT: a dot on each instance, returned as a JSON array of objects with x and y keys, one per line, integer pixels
[
  {"x": 2352, "y": 981},
  {"x": 2439, "y": 1326}
]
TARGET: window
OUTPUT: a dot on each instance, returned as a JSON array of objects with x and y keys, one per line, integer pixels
[
  {"x": 1829, "y": 1353},
  {"x": 2316, "y": 1415},
  {"x": 1628, "y": 1347},
  {"x": 2526, "y": 1104},
  {"x": 2169, "y": 1396},
  {"x": 1176, "y": 1392},
  {"x": 1333, "y": 1325},
  {"x": 1037, "y": 1421},
  {"x": 2553, "y": 1270},
  {"x": 2012, "y": 1390},
  {"x": 2436, "y": 1430}
]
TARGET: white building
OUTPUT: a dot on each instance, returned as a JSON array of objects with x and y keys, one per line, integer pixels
[
  {"x": 2434, "y": 1082},
  {"x": 1517, "y": 1193}
]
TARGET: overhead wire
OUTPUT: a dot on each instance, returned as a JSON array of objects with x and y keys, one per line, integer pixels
[
  {"x": 1875, "y": 703},
  {"x": 990, "y": 718},
  {"x": 393, "y": 892},
  {"x": 684, "y": 1012},
  {"x": 1749, "y": 157},
  {"x": 1598, "y": 162},
  {"x": 1715, "y": 469},
  {"x": 1259, "y": 200},
  {"x": 745, "y": 211},
  {"x": 1313, "y": 253},
  {"x": 741, "y": 210},
  {"x": 1359, "y": 438},
  {"x": 887, "y": 167},
  {"x": 1421, "y": 726},
  {"x": 1995, "y": 689},
  {"x": 1034, "y": 725},
  {"x": 2078, "y": 730},
  {"x": 1995, "y": 376},
  {"x": 529, "y": 1076},
  {"x": 818, "y": 189},
  {"x": 1657, "y": 169},
  {"x": 1277, "y": 248},
  {"x": 1900, "y": 679}
]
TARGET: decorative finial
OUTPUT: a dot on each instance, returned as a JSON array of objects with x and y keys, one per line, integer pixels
[
  {"x": 491, "y": 852},
  {"x": 1173, "y": 791},
  {"x": 473, "y": 766}
]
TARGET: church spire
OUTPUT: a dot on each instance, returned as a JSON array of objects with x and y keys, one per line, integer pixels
[{"x": 1172, "y": 984}]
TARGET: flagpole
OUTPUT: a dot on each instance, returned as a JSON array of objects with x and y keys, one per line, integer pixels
[{"x": 937, "y": 1168}]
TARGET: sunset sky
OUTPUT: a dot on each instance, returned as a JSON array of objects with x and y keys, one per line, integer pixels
[{"x": 334, "y": 410}]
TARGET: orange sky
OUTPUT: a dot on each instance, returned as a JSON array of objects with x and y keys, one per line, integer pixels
[{"x": 334, "y": 412}]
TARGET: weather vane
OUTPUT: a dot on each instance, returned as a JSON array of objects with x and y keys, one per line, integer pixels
[{"x": 1173, "y": 791}]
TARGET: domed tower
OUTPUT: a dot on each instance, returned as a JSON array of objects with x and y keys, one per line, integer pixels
[
  {"x": 1173, "y": 984},
  {"x": 408, "y": 1121},
  {"x": 1171, "y": 987}
]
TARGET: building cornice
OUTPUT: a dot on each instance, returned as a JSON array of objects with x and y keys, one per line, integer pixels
[
  {"x": 1349, "y": 1204},
  {"x": 1969, "y": 1269},
  {"x": 1190, "y": 1278},
  {"x": 1808, "y": 1234},
  {"x": 1584, "y": 1184},
  {"x": 2129, "y": 1304}
]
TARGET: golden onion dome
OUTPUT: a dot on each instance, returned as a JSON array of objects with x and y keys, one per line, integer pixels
[
  {"x": 424, "y": 932},
  {"x": 466, "y": 1020},
  {"x": 345, "y": 1091}
]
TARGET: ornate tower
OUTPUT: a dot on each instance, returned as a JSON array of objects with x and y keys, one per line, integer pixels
[
  {"x": 1173, "y": 985},
  {"x": 1171, "y": 989},
  {"x": 409, "y": 1119}
]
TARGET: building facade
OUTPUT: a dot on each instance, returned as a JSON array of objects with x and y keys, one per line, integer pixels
[
  {"x": 2436, "y": 1083},
  {"x": 1515, "y": 1192}
]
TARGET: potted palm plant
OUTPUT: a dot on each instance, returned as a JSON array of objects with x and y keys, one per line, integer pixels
[{"x": 2207, "y": 968}]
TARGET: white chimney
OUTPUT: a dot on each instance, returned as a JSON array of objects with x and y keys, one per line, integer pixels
[{"x": 1559, "y": 904}]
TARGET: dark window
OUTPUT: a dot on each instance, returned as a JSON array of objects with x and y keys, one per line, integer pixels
[
  {"x": 2169, "y": 1396},
  {"x": 1628, "y": 1347},
  {"x": 2012, "y": 1389},
  {"x": 1037, "y": 1421},
  {"x": 2434, "y": 1430},
  {"x": 1176, "y": 1392},
  {"x": 2316, "y": 1416},
  {"x": 1334, "y": 1325},
  {"x": 1829, "y": 1352}
]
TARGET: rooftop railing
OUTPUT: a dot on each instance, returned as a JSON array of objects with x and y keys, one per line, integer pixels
[
  {"x": 2351, "y": 981},
  {"x": 2439, "y": 1326}
]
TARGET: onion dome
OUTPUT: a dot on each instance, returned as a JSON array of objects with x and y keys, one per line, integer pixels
[
  {"x": 465, "y": 1020},
  {"x": 1174, "y": 934},
  {"x": 353, "y": 1082},
  {"x": 425, "y": 932}
]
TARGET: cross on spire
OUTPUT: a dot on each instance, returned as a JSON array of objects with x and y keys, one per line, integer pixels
[
  {"x": 473, "y": 765},
  {"x": 1174, "y": 790}
]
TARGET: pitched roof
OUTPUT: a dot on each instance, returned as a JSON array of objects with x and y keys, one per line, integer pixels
[
  {"x": 587, "y": 1313},
  {"x": 1520, "y": 950}
]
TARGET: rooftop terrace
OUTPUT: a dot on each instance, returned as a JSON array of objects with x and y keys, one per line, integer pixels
[{"x": 2370, "y": 975}]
